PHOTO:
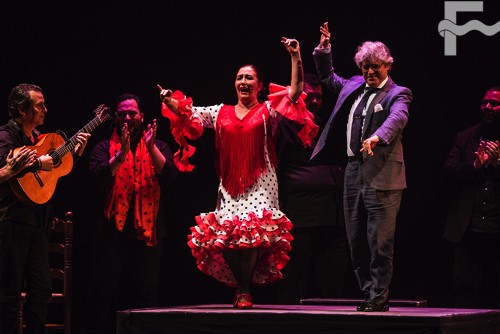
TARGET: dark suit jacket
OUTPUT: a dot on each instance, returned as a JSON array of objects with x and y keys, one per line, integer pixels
[
  {"x": 467, "y": 180},
  {"x": 385, "y": 170}
]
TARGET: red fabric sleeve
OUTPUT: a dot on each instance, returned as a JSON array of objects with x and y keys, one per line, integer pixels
[
  {"x": 281, "y": 102},
  {"x": 183, "y": 128}
]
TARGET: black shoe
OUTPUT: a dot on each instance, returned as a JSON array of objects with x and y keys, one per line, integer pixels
[
  {"x": 377, "y": 307},
  {"x": 362, "y": 307}
]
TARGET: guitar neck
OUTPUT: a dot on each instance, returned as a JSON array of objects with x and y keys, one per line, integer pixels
[{"x": 70, "y": 144}]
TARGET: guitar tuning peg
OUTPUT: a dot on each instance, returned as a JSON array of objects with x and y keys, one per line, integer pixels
[{"x": 102, "y": 108}]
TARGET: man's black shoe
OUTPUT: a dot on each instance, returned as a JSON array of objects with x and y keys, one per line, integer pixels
[
  {"x": 362, "y": 307},
  {"x": 377, "y": 307}
]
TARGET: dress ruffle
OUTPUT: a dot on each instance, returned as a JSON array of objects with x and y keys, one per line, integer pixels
[
  {"x": 183, "y": 128},
  {"x": 280, "y": 101},
  {"x": 272, "y": 236}
]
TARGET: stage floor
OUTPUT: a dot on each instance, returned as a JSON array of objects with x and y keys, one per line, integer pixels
[{"x": 309, "y": 319}]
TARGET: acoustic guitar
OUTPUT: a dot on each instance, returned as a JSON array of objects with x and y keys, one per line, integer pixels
[{"x": 38, "y": 187}]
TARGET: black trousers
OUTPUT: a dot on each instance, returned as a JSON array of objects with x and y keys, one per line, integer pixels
[
  {"x": 476, "y": 277},
  {"x": 24, "y": 256},
  {"x": 125, "y": 275},
  {"x": 370, "y": 224}
]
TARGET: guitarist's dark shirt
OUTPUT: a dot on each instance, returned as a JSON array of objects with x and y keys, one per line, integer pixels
[{"x": 11, "y": 208}]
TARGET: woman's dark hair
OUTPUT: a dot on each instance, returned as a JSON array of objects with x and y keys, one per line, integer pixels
[
  {"x": 262, "y": 96},
  {"x": 20, "y": 99}
]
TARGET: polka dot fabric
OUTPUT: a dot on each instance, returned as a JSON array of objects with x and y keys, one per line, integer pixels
[{"x": 249, "y": 220}]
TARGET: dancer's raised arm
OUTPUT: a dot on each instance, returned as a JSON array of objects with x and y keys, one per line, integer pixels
[{"x": 297, "y": 81}]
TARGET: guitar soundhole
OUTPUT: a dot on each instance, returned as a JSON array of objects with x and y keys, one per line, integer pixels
[{"x": 56, "y": 159}]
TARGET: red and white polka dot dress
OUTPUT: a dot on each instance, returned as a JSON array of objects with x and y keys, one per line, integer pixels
[
  {"x": 247, "y": 220},
  {"x": 247, "y": 213}
]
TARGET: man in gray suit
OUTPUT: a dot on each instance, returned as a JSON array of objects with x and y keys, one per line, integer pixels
[{"x": 377, "y": 112}]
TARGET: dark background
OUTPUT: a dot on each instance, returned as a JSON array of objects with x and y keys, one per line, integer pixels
[{"x": 83, "y": 54}]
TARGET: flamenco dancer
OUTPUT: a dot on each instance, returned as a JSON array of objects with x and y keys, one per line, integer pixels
[{"x": 246, "y": 239}]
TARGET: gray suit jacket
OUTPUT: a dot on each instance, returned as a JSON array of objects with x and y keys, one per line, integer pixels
[{"x": 385, "y": 170}]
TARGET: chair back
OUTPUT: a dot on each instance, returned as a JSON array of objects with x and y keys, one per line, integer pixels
[{"x": 61, "y": 269}]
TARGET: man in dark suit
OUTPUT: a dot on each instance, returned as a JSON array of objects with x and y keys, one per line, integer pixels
[
  {"x": 473, "y": 223},
  {"x": 377, "y": 112}
]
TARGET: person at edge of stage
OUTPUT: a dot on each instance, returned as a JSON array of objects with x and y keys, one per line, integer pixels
[
  {"x": 311, "y": 196},
  {"x": 132, "y": 170},
  {"x": 473, "y": 222},
  {"x": 247, "y": 238},
  {"x": 374, "y": 180},
  {"x": 24, "y": 246}
]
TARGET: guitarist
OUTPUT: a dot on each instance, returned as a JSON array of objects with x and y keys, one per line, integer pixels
[{"x": 23, "y": 228}]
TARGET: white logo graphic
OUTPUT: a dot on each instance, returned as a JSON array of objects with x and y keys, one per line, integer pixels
[{"x": 450, "y": 30}]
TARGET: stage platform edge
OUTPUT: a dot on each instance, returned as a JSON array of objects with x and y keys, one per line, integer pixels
[
  {"x": 350, "y": 301},
  {"x": 306, "y": 319}
]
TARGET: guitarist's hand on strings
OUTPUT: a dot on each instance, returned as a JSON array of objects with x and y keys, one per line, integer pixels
[
  {"x": 45, "y": 162},
  {"x": 81, "y": 138}
]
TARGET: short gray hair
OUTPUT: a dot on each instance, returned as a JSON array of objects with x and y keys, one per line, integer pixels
[{"x": 373, "y": 51}]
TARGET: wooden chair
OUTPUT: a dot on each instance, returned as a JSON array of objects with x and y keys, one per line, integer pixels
[{"x": 60, "y": 258}]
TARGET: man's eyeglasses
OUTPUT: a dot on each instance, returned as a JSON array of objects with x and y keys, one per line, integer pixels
[
  {"x": 40, "y": 107},
  {"x": 374, "y": 67},
  {"x": 123, "y": 114},
  {"x": 492, "y": 103}
]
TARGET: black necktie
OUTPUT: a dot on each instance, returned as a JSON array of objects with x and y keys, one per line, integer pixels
[{"x": 357, "y": 121}]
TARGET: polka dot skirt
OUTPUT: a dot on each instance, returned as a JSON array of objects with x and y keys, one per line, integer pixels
[{"x": 252, "y": 219}]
